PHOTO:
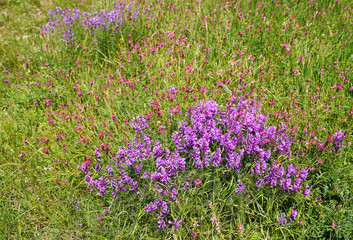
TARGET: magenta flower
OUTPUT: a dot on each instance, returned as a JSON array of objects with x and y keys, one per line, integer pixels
[
  {"x": 105, "y": 211},
  {"x": 197, "y": 182},
  {"x": 333, "y": 225}
]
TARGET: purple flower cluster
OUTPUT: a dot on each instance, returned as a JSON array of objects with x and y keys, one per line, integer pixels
[
  {"x": 289, "y": 178},
  {"x": 230, "y": 135},
  {"x": 337, "y": 139},
  {"x": 227, "y": 138},
  {"x": 65, "y": 19}
]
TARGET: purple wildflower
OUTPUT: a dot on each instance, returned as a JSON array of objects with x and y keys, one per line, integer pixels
[
  {"x": 240, "y": 187},
  {"x": 176, "y": 223},
  {"x": 306, "y": 191},
  {"x": 282, "y": 220},
  {"x": 293, "y": 215}
]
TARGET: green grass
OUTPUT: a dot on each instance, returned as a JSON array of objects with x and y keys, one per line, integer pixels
[{"x": 35, "y": 189}]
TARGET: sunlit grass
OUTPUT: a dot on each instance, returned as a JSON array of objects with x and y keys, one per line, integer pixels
[{"x": 296, "y": 58}]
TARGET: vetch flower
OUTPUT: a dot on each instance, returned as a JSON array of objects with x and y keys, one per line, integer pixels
[
  {"x": 195, "y": 223},
  {"x": 282, "y": 220},
  {"x": 293, "y": 214},
  {"x": 213, "y": 218},
  {"x": 105, "y": 211},
  {"x": 176, "y": 223},
  {"x": 240, "y": 187},
  {"x": 306, "y": 191},
  {"x": 197, "y": 182},
  {"x": 212, "y": 137}
]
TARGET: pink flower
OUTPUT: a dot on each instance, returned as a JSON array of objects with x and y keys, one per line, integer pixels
[
  {"x": 148, "y": 115},
  {"x": 240, "y": 228},
  {"x": 197, "y": 182},
  {"x": 202, "y": 89},
  {"x": 196, "y": 223},
  {"x": 333, "y": 225},
  {"x": 213, "y": 218},
  {"x": 217, "y": 226}
]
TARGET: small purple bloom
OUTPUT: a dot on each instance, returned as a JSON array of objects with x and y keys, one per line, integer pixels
[
  {"x": 97, "y": 154},
  {"x": 282, "y": 220},
  {"x": 171, "y": 90},
  {"x": 88, "y": 179},
  {"x": 105, "y": 211},
  {"x": 109, "y": 168},
  {"x": 98, "y": 167},
  {"x": 293, "y": 215},
  {"x": 176, "y": 223},
  {"x": 161, "y": 225},
  {"x": 151, "y": 207},
  {"x": 303, "y": 174},
  {"x": 145, "y": 175},
  {"x": 240, "y": 187},
  {"x": 306, "y": 191}
]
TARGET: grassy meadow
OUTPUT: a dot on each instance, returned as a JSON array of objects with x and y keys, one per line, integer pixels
[{"x": 186, "y": 119}]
